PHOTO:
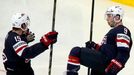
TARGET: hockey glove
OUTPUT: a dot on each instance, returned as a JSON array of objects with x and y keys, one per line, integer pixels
[
  {"x": 91, "y": 44},
  {"x": 29, "y": 36},
  {"x": 113, "y": 68},
  {"x": 49, "y": 38}
]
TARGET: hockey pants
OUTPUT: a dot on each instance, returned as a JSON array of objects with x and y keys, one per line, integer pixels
[
  {"x": 26, "y": 72},
  {"x": 89, "y": 58}
]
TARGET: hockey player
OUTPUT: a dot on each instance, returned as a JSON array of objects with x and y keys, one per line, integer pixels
[
  {"x": 109, "y": 57},
  {"x": 17, "y": 53}
]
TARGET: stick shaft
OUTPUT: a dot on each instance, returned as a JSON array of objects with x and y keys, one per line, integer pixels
[
  {"x": 92, "y": 18},
  {"x": 91, "y": 28},
  {"x": 54, "y": 15},
  {"x": 53, "y": 29}
]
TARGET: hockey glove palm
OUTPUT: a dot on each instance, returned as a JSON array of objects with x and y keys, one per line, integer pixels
[
  {"x": 29, "y": 36},
  {"x": 113, "y": 68},
  {"x": 49, "y": 38}
]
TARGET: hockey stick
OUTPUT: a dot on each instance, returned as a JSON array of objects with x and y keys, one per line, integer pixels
[
  {"x": 53, "y": 29},
  {"x": 91, "y": 26}
]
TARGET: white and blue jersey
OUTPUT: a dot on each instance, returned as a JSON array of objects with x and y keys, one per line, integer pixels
[
  {"x": 17, "y": 53},
  {"x": 117, "y": 44}
]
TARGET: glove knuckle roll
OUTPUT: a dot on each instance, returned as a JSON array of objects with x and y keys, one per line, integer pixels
[{"x": 49, "y": 38}]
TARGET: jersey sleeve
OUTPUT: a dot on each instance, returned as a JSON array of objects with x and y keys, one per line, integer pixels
[
  {"x": 123, "y": 42},
  {"x": 33, "y": 51},
  {"x": 22, "y": 49},
  {"x": 19, "y": 47}
]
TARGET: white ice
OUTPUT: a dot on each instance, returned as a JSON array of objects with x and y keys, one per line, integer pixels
[{"x": 72, "y": 23}]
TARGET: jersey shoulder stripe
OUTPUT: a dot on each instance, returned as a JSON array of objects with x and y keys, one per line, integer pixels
[
  {"x": 19, "y": 47},
  {"x": 123, "y": 40}
]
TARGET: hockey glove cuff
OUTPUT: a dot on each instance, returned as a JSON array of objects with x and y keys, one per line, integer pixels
[
  {"x": 49, "y": 38},
  {"x": 113, "y": 68}
]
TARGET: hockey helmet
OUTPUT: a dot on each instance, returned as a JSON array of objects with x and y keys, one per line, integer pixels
[
  {"x": 20, "y": 20},
  {"x": 115, "y": 11}
]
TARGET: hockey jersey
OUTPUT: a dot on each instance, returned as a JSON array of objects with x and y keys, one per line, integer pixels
[
  {"x": 17, "y": 53},
  {"x": 117, "y": 44}
]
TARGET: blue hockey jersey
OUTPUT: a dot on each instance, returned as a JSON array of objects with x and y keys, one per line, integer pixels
[
  {"x": 17, "y": 53},
  {"x": 117, "y": 44}
]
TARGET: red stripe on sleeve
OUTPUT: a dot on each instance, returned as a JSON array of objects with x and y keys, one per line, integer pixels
[
  {"x": 74, "y": 59},
  {"x": 21, "y": 48},
  {"x": 122, "y": 41}
]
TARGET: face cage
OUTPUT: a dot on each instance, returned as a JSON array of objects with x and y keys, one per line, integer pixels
[{"x": 24, "y": 26}]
